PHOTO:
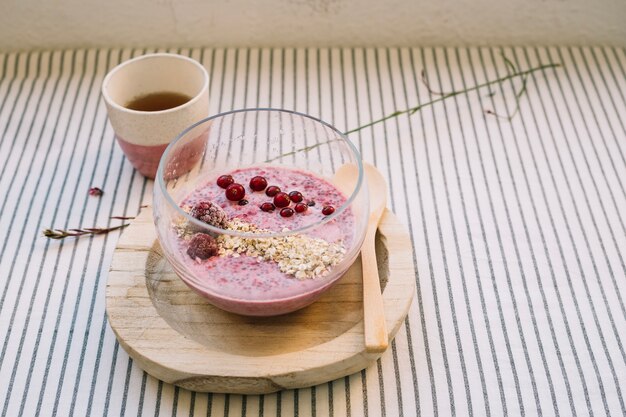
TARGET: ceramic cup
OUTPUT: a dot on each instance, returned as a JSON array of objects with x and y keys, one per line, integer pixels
[{"x": 144, "y": 135}]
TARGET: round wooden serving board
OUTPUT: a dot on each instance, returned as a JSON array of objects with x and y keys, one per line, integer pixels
[{"x": 176, "y": 336}]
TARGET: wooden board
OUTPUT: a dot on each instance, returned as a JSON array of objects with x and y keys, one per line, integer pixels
[{"x": 176, "y": 336}]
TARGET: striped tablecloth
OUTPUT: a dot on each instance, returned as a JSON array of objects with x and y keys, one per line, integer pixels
[{"x": 518, "y": 228}]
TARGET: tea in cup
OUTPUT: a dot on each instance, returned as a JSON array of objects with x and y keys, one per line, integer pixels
[{"x": 150, "y": 100}]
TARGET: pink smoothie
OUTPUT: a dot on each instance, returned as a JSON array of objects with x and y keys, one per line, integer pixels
[{"x": 247, "y": 285}]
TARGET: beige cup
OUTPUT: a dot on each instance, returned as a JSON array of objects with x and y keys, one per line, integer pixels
[{"x": 144, "y": 135}]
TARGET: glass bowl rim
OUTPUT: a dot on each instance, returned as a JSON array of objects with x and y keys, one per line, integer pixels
[{"x": 217, "y": 230}]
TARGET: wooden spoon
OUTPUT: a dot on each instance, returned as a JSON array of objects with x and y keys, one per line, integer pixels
[{"x": 375, "y": 327}]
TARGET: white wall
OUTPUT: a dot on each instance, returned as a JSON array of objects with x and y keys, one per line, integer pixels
[{"x": 26, "y": 24}]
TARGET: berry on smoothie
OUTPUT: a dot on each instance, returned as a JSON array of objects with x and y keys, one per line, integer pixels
[
  {"x": 295, "y": 196},
  {"x": 258, "y": 183},
  {"x": 281, "y": 200},
  {"x": 272, "y": 190},
  {"x": 235, "y": 192},
  {"x": 224, "y": 181}
]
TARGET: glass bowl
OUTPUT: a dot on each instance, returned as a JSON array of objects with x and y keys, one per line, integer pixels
[{"x": 234, "y": 249}]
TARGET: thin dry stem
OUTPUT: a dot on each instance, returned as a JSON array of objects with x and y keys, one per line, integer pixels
[{"x": 62, "y": 234}]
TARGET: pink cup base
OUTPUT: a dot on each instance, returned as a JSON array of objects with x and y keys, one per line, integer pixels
[{"x": 145, "y": 159}]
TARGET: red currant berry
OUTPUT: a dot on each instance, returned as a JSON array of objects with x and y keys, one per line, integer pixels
[
  {"x": 235, "y": 192},
  {"x": 328, "y": 210},
  {"x": 301, "y": 208},
  {"x": 242, "y": 202},
  {"x": 286, "y": 212},
  {"x": 310, "y": 203},
  {"x": 225, "y": 180},
  {"x": 281, "y": 200},
  {"x": 258, "y": 183},
  {"x": 267, "y": 207},
  {"x": 272, "y": 190},
  {"x": 295, "y": 196}
]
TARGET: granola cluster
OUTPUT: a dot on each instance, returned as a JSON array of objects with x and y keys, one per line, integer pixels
[{"x": 297, "y": 255}]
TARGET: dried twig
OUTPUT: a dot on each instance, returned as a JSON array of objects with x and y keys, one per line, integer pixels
[
  {"x": 512, "y": 68},
  {"x": 415, "y": 109},
  {"x": 62, "y": 234},
  {"x": 444, "y": 96},
  {"x": 429, "y": 87}
]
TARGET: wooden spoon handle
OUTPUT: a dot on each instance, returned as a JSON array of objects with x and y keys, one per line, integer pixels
[{"x": 376, "y": 336}]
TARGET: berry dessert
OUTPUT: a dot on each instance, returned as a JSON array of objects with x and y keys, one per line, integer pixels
[{"x": 245, "y": 270}]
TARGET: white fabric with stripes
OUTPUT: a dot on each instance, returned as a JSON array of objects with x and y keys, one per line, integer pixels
[{"x": 518, "y": 227}]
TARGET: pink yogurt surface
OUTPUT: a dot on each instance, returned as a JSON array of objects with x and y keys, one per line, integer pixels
[{"x": 247, "y": 285}]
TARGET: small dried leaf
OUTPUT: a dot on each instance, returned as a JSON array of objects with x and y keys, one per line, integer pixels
[{"x": 95, "y": 191}]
